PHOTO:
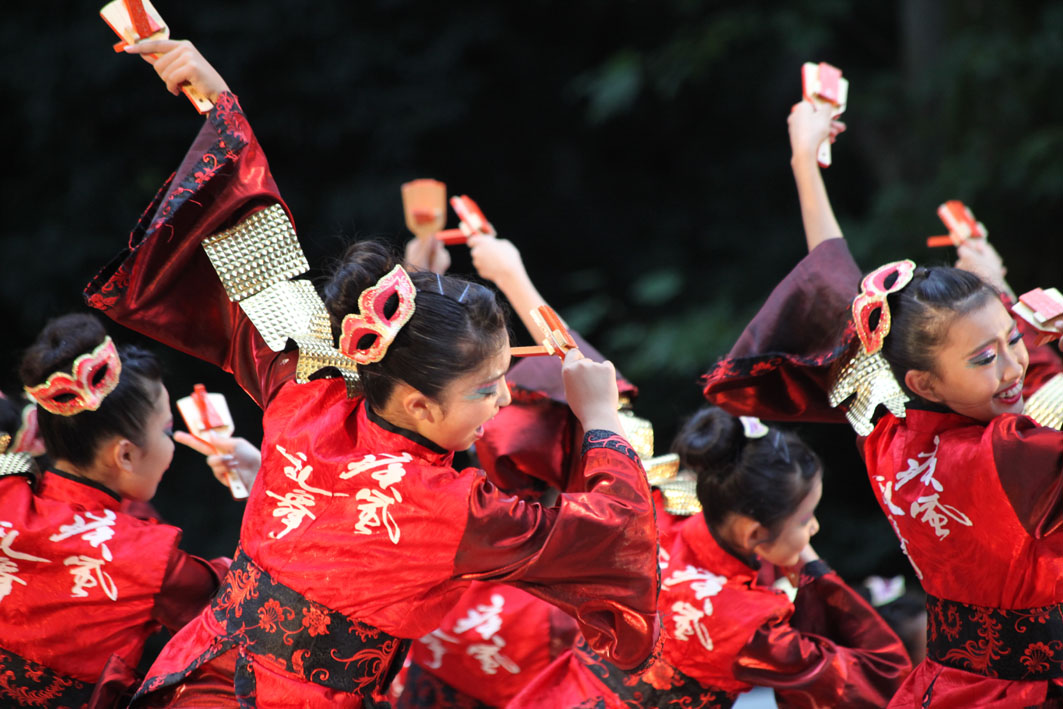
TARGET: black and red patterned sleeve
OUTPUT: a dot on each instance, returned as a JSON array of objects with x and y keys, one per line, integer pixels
[
  {"x": 593, "y": 554},
  {"x": 835, "y": 650},
  {"x": 779, "y": 369},
  {"x": 163, "y": 284}
]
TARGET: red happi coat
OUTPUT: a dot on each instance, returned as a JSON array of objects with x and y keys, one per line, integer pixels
[
  {"x": 358, "y": 536},
  {"x": 82, "y": 586},
  {"x": 976, "y": 506},
  {"x": 724, "y": 632}
]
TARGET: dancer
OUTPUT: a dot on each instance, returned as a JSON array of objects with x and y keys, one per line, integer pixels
[
  {"x": 82, "y": 583},
  {"x": 969, "y": 484},
  {"x": 498, "y": 638},
  {"x": 725, "y": 631},
  {"x": 359, "y": 534}
]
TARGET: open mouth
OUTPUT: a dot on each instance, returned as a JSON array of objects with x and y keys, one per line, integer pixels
[{"x": 1011, "y": 395}]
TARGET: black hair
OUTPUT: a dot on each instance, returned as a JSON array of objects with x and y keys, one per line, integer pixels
[
  {"x": 763, "y": 478},
  {"x": 456, "y": 325},
  {"x": 124, "y": 412},
  {"x": 922, "y": 311}
]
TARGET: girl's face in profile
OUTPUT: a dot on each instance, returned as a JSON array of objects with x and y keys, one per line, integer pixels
[
  {"x": 979, "y": 370},
  {"x": 151, "y": 460},
  {"x": 470, "y": 401},
  {"x": 797, "y": 530}
]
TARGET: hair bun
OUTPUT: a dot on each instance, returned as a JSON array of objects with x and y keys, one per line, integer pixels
[
  {"x": 62, "y": 340},
  {"x": 710, "y": 440},
  {"x": 362, "y": 265}
]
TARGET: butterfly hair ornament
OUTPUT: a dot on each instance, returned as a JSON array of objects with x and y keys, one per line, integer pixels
[
  {"x": 867, "y": 375},
  {"x": 371, "y": 321},
  {"x": 92, "y": 377}
]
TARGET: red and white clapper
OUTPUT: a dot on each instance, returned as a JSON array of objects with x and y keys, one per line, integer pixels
[
  {"x": 556, "y": 338},
  {"x": 205, "y": 412},
  {"x": 424, "y": 203},
  {"x": 472, "y": 222},
  {"x": 960, "y": 222},
  {"x": 1042, "y": 308},
  {"x": 822, "y": 85},
  {"x": 138, "y": 20}
]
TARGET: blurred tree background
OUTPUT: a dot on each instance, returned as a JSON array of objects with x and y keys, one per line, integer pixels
[{"x": 636, "y": 152}]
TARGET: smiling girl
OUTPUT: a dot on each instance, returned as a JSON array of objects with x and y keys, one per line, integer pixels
[
  {"x": 70, "y": 557},
  {"x": 970, "y": 485},
  {"x": 359, "y": 533}
]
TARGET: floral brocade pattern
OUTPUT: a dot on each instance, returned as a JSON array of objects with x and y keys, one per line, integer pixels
[
  {"x": 660, "y": 686},
  {"x": 1024, "y": 644},
  {"x": 424, "y": 689},
  {"x": 25, "y": 683},
  {"x": 110, "y": 283},
  {"x": 279, "y": 626}
]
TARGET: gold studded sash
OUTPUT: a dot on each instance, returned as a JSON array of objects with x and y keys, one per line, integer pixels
[
  {"x": 1046, "y": 405},
  {"x": 256, "y": 260}
]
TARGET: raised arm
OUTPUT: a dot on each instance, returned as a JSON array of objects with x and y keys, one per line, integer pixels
[
  {"x": 499, "y": 261},
  {"x": 809, "y": 126},
  {"x": 164, "y": 285}
]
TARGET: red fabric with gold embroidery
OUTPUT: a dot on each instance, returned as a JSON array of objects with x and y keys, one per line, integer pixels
[
  {"x": 978, "y": 510},
  {"x": 70, "y": 559},
  {"x": 365, "y": 519},
  {"x": 723, "y": 631}
]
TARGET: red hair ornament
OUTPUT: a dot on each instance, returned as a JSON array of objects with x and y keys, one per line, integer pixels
[
  {"x": 872, "y": 300},
  {"x": 92, "y": 377},
  {"x": 371, "y": 320}
]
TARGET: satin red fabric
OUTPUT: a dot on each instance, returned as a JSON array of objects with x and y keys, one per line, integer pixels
[{"x": 73, "y": 560}]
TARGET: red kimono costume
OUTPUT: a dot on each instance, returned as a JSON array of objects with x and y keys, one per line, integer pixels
[
  {"x": 82, "y": 586},
  {"x": 358, "y": 536},
  {"x": 976, "y": 506},
  {"x": 724, "y": 633}
]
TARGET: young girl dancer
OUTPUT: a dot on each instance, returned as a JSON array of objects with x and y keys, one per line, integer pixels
[
  {"x": 724, "y": 631},
  {"x": 82, "y": 583},
  {"x": 970, "y": 484},
  {"x": 359, "y": 534}
]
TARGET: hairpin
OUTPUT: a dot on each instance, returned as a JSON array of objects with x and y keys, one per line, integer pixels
[
  {"x": 92, "y": 377},
  {"x": 370, "y": 319},
  {"x": 753, "y": 427}
]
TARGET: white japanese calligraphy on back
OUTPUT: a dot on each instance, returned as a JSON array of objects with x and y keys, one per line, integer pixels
[
  {"x": 8, "y": 568},
  {"x": 686, "y": 616},
  {"x": 375, "y": 509},
  {"x": 485, "y": 620},
  {"x": 294, "y": 505},
  {"x": 933, "y": 512}
]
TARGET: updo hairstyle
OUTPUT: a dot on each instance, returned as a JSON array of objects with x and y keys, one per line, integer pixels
[
  {"x": 922, "y": 311},
  {"x": 451, "y": 333},
  {"x": 763, "y": 478},
  {"x": 124, "y": 412}
]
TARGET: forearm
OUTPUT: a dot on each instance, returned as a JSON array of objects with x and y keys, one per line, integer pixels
[
  {"x": 817, "y": 216},
  {"x": 524, "y": 297}
]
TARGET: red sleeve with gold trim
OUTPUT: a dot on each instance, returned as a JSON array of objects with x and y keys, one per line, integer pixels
[
  {"x": 835, "y": 650},
  {"x": 593, "y": 555},
  {"x": 163, "y": 284}
]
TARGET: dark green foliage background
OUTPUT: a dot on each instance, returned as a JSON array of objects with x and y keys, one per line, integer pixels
[{"x": 635, "y": 151}]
